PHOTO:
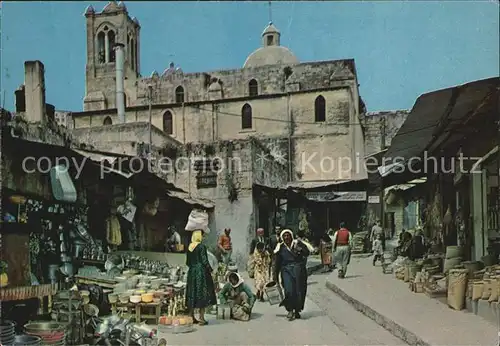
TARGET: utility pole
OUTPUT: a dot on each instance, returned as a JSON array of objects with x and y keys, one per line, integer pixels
[
  {"x": 383, "y": 146},
  {"x": 383, "y": 139},
  {"x": 150, "y": 101}
]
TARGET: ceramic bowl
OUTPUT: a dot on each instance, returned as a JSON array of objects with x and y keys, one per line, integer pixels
[
  {"x": 135, "y": 299},
  {"x": 113, "y": 298},
  {"x": 147, "y": 297},
  {"x": 124, "y": 298}
]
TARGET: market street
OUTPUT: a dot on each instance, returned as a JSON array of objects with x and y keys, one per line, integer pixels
[{"x": 327, "y": 320}]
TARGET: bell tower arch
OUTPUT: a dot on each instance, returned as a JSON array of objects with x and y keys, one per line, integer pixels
[{"x": 105, "y": 29}]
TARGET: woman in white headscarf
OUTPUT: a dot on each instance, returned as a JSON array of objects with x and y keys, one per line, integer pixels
[
  {"x": 239, "y": 296},
  {"x": 291, "y": 258}
]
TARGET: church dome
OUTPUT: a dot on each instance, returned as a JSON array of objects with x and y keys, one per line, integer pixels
[{"x": 271, "y": 53}]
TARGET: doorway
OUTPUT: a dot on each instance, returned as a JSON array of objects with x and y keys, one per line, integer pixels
[{"x": 390, "y": 225}]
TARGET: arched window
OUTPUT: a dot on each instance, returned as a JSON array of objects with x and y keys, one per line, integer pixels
[
  {"x": 168, "y": 124},
  {"x": 179, "y": 94},
  {"x": 246, "y": 117},
  {"x": 253, "y": 88},
  {"x": 319, "y": 109},
  {"x": 101, "y": 47},
  {"x": 111, "y": 45},
  {"x": 107, "y": 121}
]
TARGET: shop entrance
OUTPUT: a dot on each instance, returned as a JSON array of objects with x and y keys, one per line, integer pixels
[
  {"x": 390, "y": 223},
  {"x": 348, "y": 212}
]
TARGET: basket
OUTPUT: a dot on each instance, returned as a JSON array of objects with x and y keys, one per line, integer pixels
[{"x": 477, "y": 289}]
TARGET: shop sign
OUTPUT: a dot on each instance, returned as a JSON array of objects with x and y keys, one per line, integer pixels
[
  {"x": 347, "y": 196},
  {"x": 374, "y": 199},
  {"x": 204, "y": 181}
]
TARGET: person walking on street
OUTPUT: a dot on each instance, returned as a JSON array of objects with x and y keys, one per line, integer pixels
[
  {"x": 378, "y": 251},
  {"x": 274, "y": 240},
  {"x": 291, "y": 258},
  {"x": 258, "y": 239},
  {"x": 261, "y": 261},
  {"x": 200, "y": 288},
  {"x": 342, "y": 241},
  {"x": 325, "y": 249},
  {"x": 376, "y": 231},
  {"x": 225, "y": 246}
]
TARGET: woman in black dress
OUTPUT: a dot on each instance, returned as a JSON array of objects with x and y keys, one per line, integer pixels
[
  {"x": 291, "y": 258},
  {"x": 200, "y": 288}
]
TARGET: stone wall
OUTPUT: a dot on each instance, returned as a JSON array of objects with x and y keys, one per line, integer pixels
[
  {"x": 243, "y": 162},
  {"x": 123, "y": 138},
  {"x": 373, "y": 126},
  {"x": 338, "y": 139}
]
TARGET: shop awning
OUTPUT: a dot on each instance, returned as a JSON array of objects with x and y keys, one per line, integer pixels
[
  {"x": 417, "y": 131},
  {"x": 191, "y": 200},
  {"x": 324, "y": 191},
  {"x": 475, "y": 111},
  {"x": 106, "y": 160},
  {"x": 432, "y": 115},
  {"x": 310, "y": 185},
  {"x": 97, "y": 157}
]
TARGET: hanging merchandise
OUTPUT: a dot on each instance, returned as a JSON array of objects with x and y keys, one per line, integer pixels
[
  {"x": 127, "y": 211},
  {"x": 63, "y": 188},
  {"x": 113, "y": 232},
  {"x": 197, "y": 220}
]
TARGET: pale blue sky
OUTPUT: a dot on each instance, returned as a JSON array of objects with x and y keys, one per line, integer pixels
[{"x": 402, "y": 48}]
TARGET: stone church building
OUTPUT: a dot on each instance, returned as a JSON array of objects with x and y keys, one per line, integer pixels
[{"x": 309, "y": 113}]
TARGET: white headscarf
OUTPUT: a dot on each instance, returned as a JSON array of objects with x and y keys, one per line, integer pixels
[
  {"x": 278, "y": 246},
  {"x": 240, "y": 279}
]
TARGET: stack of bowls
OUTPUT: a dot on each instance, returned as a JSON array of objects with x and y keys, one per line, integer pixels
[
  {"x": 7, "y": 332},
  {"x": 30, "y": 340},
  {"x": 51, "y": 333}
]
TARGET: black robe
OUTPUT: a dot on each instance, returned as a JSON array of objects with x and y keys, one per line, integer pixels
[{"x": 291, "y": 264}]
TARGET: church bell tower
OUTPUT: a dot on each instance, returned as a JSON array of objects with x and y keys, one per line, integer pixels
[{"x": 105, "y": 29}]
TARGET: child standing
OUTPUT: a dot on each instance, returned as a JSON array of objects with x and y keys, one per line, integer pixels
[
  {"x": 378, "y": 249},
  {"x": 262, "y": 261}
]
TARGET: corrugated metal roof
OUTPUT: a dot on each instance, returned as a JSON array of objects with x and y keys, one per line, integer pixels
[{"x": 191, "y": 200}]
